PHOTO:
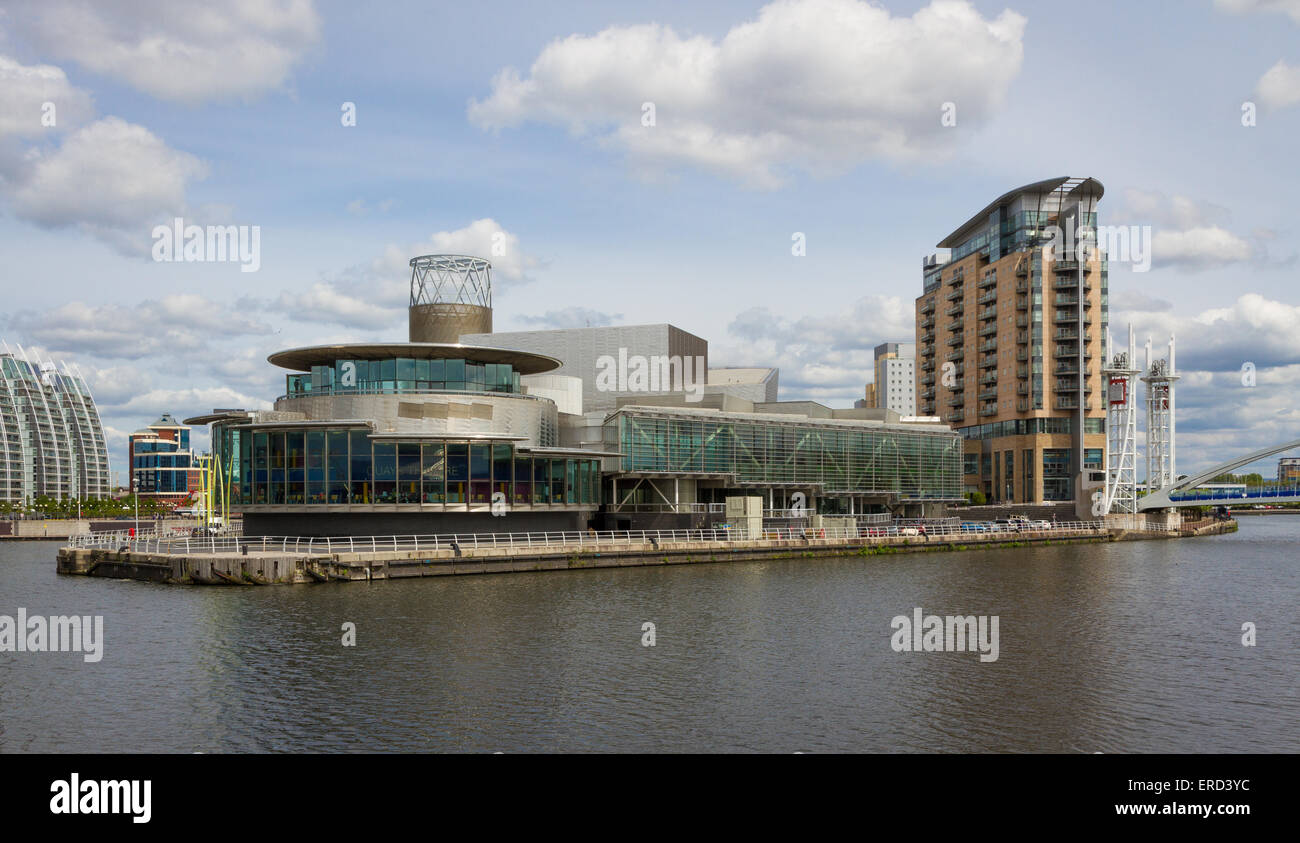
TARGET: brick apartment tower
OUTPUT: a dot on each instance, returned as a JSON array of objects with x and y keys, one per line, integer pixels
[{"x": 1009, "y": 335}]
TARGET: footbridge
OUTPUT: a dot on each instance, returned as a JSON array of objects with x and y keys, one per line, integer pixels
[{"x": 1181, "y": 493}]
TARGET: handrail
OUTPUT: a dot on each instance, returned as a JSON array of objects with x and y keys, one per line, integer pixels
[{"x": 457, "y": 542}]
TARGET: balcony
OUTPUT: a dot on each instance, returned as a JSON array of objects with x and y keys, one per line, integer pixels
[
  {"x": 954, "y": 417},
  {"x": 954, "y": 355},
  {"x": 991, "y": 295},
  {"x": 991, "y": 377},
  {"x": 955, "y": 310},
  {"x": 988, "y": 360},
  {"x": 954, "y": 325},
  {"x": 987, "y": 313},
  {"x": 1070, "y": 403},
  {"x": 1023, "y": 405},
  {"x": 1022, "y": 372},
  {"x": 927, "y": 337},
  {"x": 955, "y": 295},
  {"x": 1022, "y": 337},
  {"x": 989, "y": 329},
  {"x": 955, "y": 340},
  {"x": 988, "y": 409},
  {"x": 927, "y": 322},
  {"x": 989, "y": 395},
  {"x": 1022, "y": 355},
  {"x": 958, "y": 401},
  {"x": 988, "y": 345},
  {"x": 927, "y": 394},
  {"x": 927, "y": 306},
  {"x": 1022, "y": 321},
  {"x": 1022, "y": 303},
  {"x": 1022, "y": 389},
  {"x": 927, "y": 366},
  {"x": 1065, "y": 282},
  {"x": 957, "y": 278},
  {"x": 927, "y": 380},
  {"x": 1063, "y": 300}
]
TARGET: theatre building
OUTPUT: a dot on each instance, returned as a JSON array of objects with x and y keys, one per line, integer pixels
[{"x": 427, "y": 436}]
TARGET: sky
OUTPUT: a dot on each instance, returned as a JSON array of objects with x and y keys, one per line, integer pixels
[{"x": 629, "y": 163}]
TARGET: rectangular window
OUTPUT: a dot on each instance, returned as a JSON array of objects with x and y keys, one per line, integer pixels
[
  {"x": 362, "y": 468},
  {"x": 385, "y": 472},
  {"x": 480, "y": 473},
  {"x": 315, "y": 466},
  {"x": 408, "y": 472},
  {"x": 275, "y": 490},
  {"x": 523, "y": 480},
  {"x": 501, "y": 473},
  {"x": 337, "y": 459},
  {"x": 433, "y": 474},
  {"x": 457, "y": 472}
]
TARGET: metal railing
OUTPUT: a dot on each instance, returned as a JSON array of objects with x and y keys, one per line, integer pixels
[{"x": 459, "y": 542}]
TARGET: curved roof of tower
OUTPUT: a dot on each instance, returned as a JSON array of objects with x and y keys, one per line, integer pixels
[{"x": 1082, "y": 185}]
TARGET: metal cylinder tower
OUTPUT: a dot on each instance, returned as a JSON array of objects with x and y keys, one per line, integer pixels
[
  {"x": 1160, "y": 378},
  {"x": 1121, "y": 428},
  {"x": 451, "y": 295}
]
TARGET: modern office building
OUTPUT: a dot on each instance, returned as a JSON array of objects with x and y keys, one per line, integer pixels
[
  {"x": 895, "y": 386},
  {"x": 615, "y": 361},
  {"x": 1288, "y": 471},
  {"x": 1009, "y": 331},
  {"x": 51, "y": 440},
  {"x": 162, "y": 465}
]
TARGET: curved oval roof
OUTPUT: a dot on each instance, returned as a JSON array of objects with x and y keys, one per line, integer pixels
[{"x": 302, "y": 359}]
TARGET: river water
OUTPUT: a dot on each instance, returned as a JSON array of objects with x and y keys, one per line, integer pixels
[{"x": 1130, "y": 647}]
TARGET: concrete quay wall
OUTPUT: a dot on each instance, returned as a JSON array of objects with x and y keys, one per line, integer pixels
[{"x": 267, "y": 568}]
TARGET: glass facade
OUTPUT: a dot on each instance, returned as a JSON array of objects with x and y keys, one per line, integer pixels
[
  {"x": 403, "y": 374},
  {"x": 319, "y": 466},
  {"x": 1023, "y": 427},
  {"x": 839, "y": 459},
  {"x": 51, "y": 439}
]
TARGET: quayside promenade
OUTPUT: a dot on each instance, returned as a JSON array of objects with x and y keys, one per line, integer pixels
[{"x": 266, "y": 560}]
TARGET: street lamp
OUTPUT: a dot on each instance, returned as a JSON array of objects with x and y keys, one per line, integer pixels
[{"x": 135, "y": 494}]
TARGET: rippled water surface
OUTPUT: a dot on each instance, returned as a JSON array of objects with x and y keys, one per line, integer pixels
[{"x": 1113, "y": 648}]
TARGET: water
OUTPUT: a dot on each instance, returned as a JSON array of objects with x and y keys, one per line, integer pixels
[{"x": 1132, "y": 647}]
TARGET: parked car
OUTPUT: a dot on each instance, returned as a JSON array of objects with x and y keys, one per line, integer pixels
[{"x": 974, "y": 527}]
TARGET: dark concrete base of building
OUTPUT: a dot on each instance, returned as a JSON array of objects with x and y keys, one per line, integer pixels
[
  {"x": 410, "y": 523},
  {"x": 658, "y": 520}
]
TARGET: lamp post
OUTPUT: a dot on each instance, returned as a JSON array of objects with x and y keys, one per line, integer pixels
[{"x": 135, "y": 494}]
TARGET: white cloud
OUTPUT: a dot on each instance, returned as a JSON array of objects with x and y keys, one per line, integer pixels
[
  {"x": 1291, "y": 8},
  {"x": 1187, "y": 233},
  {"x": 24, "y": 91},
  {"x": 164, "y": 328},
  {"x": 572, "y": 317},
  {"x": 1279, "y": 87},
  {"x": 112, "y": 178},
  {"x": 374, "y": 297},
  {"x": 822, "y": 358},
  {"x": 186, "y": 51},
  {"x": 819, "y": 85},
  {"x": 324, "y": 302}
]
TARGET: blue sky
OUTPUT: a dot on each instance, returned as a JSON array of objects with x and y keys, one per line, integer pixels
[{"x": 816, "y": 116}]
